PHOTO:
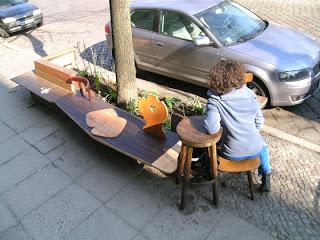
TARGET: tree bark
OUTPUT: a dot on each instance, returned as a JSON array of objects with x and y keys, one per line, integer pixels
[{"x": 123, "y": 50}]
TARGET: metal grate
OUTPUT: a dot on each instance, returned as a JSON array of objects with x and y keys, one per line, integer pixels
[{"x": 316, "y": 68}]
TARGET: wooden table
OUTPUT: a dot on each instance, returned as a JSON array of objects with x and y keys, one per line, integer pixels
[{"x": 192, "y": 134}]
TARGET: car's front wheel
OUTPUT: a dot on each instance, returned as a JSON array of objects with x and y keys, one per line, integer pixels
[
  {"x": 259, "y": 88},
  {"x": 4, "y": 33}
]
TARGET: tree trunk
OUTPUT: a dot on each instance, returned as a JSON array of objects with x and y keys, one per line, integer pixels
[{"x": 123, "y": 50}]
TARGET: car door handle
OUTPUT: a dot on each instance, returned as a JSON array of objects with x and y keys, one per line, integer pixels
[{"x": 159, "y": 44}]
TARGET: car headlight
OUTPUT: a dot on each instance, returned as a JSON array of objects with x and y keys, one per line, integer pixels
[
  {"x": 8, "y": 20},
  {"x": 36, "y": 12},
  {"x": 295, "y": 75}
]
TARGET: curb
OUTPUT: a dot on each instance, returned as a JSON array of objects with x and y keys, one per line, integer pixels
[{"x": 290, "y": 138}]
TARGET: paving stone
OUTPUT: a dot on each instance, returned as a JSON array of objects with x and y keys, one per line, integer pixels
[
  {"x": 195, "y": 222},
  {"x": 107, "y": 178},
  {"x": 6, "y": 218},
  {"x": 61, "y": 150},
  {"x": 142, "y": 199},
  {"x": 15, "y": 233},
  {"x": 140, "y": 237},
  {"x": 310, "y": 115},
  {"x": 231, "y": 227},
  {"x": 59, "y": 215},
  {"x": 51, "y": 142},
  {"x": 77, "y": 162},
  {"x": 11, "y": 148},
  {"x": 40, "y": 130},
  {"x": 310, "y": 134},
  {"x": 21, "y": 167},
  {"x": 6, "y": 133},
  {"x": 35, "y": 190},
  {"x": 103, "y": 224},
  {"x": 27, "y": 118}
]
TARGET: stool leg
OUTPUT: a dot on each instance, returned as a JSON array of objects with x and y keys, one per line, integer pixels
[
  {"x": 182, "y": 159},
  {"x": 214, "y": 174},
  {"x": 250, "y": 180},
  {"x": 186, "y": 176}
]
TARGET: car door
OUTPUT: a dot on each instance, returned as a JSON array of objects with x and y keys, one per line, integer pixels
[
  {"x": 177, "y": 54},
  {"x": 144, "y": 26}
]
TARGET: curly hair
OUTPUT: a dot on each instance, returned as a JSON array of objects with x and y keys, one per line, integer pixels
[{"x": 225, "y": 76}]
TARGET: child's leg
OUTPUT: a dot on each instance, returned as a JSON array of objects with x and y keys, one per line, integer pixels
[{"x": 264, "y": 161}]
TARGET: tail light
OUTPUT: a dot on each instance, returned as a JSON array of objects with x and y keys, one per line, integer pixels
[{"x": 107, "y": 29}]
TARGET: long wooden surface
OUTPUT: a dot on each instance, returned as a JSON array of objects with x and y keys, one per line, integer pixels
[
  {"x": 40, "y": 87},
  {"x": 161, "y": 153}
]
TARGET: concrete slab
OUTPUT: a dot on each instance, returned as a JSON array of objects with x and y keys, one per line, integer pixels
[
  {"x": 27, "y": 118},
  {"x": 41, "y": 130},
  {"x": 6, "y": 133},
  {"x": 109, "y": 177},
  {"x": 232, "y": 227},
  {"x": 6, "y": 218},
  {"x": 142, "y": 199},
  {"x": 140, "y": 237},
  {"x": 51, "y": 142},
  {"x": 77, "y": 162},
  {"x": 15, "y": 233},
  {"x": 58, "y": 216},
  {"x": 101, "y": 225},
  {"x": 195, "y": 222},
  {"x": 21, "y": 167},
  {"x": 11, "y": 148},
  {"x": 35, "y": 190}
]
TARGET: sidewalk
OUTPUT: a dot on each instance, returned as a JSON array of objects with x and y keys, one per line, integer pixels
[{"x": 56, "y": 183}]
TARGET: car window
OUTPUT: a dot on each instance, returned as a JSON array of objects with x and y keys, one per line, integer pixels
[
  {"x": 144, "y": 19},
  {"x": 178, "y": 25},
  {"x": 10, "y": 3}
]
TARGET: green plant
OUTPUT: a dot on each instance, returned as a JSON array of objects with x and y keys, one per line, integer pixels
[
  {"x": 167, "y": 123},
  {"x": 132, "y": 107},
  {"x": 108, "y": 94},
  {"x": 195, "y": 105},
  {"x": 171, "y": 102}
]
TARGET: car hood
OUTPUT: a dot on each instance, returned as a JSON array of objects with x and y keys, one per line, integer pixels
[
  {"x": 282, "y": 47},
  {"x": 17, "y": 10}
]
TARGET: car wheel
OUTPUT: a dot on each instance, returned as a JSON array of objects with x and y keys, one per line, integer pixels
[
  {"x": 4, "y": 33},
  {"x": 40, "y": 24},
  {"x": 259, "y": 88}
]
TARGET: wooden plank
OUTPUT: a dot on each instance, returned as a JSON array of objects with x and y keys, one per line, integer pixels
[
  {"x": 132, "y": 141},
  {"x": 54, "y": 73},
  {"x": 40, "y": 87}
]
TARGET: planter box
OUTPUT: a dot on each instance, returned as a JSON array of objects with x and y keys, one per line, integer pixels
[{"x": 57, "y": 68}]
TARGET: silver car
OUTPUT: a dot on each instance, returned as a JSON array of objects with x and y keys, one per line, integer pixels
[{"x": 182, "y": 39}]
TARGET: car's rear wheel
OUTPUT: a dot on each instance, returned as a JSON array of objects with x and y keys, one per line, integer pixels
[{"x": 4, "y": 33}]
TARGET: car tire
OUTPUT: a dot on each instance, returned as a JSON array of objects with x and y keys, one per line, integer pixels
[
  {"x": 258, "y": 87},
  {"x": 4, "y": 33},
  {"x": 40, "y": 24}
]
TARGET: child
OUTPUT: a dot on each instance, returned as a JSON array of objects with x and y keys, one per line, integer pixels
[{"x": 234, "y": 106}]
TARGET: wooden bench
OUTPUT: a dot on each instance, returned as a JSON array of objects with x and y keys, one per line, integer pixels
[{"x": 161, "y": 153}]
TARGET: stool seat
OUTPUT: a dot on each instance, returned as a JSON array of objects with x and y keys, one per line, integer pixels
[
  {"x": 192, "y": 133},
  {"x": 226, "y": 165}
]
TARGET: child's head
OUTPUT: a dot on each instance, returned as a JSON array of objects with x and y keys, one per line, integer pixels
[{"x": 225, "y": 76}]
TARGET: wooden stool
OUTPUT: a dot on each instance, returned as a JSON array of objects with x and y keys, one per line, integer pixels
[
  {"x": 247, "y": 165},
  {"x": 192, "y": 134}
]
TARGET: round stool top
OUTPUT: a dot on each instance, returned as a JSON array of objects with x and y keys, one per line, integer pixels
[{"x": 192, "y": 133}]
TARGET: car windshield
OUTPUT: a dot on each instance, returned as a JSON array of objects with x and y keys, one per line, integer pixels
[
  {"x": 10, "y": 3},
  {"x": 231, "y": 23}
]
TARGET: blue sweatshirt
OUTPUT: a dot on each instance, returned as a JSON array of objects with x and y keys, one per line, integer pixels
[{"x": 238, "y": 112}]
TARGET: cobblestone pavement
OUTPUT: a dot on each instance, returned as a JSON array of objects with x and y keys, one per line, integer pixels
[{"x": 292, "y": 209}]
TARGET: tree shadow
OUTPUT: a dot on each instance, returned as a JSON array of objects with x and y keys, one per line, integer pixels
[{"x": 37, "y": 44}]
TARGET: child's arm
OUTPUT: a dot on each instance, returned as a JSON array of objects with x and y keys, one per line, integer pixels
[
  {"x": 259, "y": 120},
  {"x": 212, "y": 119}
]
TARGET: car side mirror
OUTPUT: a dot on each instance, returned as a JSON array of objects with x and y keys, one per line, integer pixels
[{"x": 202, "y": 41}]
